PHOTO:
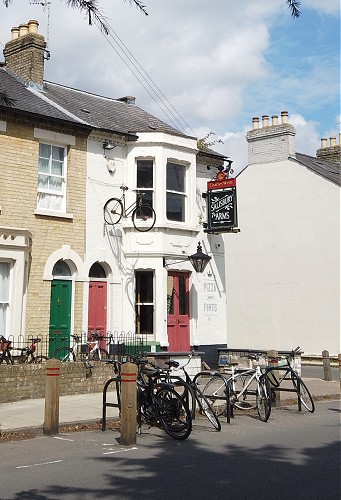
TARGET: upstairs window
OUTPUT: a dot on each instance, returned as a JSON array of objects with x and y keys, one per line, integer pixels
[
  {"x": 52, "y": 178},
  {"x": 176, "y": 195},
  {"x": 145, "y": 180}
]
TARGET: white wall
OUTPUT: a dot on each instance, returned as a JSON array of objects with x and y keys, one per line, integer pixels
[
  {"x": 283, "y": 268},
  {"x": 125, "y": 250}
]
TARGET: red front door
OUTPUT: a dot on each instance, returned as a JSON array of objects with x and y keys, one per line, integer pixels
[
  {"x": 97, "y": 315},
  {"x": 178, "y": 311}
]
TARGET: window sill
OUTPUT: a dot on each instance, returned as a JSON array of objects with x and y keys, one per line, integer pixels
[{"x": 52, "y": 213}]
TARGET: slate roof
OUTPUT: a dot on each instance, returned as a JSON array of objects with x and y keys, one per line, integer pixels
[
  {"x": 76, "y": 106},
  {"x": 28, "y": 102},
  {"x": 326, "y": 169}
]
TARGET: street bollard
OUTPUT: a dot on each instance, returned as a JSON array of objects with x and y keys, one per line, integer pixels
[
  {"x": 52, "y": 386},
  {"x": 327, "y": 373},
  {"x": 128, "y": 404},
  {"x": 273, "y": 362}
]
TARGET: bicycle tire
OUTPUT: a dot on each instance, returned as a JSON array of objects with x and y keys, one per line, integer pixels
[
  {"x": 143, "y": 218},
  {"x": 39, "y": 359},
  {"x": 304, "y": 394},
  {"x": 207, "y": 409},
  {"x": 64, "y": 354},
  {"x": 187, "y": 394},
  {"x": 214, "y": 391},
  {"x": 173, "y": 414},
  {"x": 263, "y": 399},
  {"x": 113, "y": 211}
]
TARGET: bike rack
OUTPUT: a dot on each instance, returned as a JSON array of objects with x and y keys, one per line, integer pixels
[
  {"x": 117, "y": 381},
  {"x": 278, "y": 387},
  {"x": 229, "y": 412}
]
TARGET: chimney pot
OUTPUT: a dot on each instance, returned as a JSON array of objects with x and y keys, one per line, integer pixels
[
  {"x": 15, "y": 33},
  {"x": 23, "y": 29},
  {"x": 332, "y": 141},
  {"x": 255, "y": 122},
  {"x": 274, "y": 120},
  {"x": 33, "y": 26},
  {"x": 265, "y": 120},
  {"x": 323, "y": 143},
  {"x": 284, "y": 115}
]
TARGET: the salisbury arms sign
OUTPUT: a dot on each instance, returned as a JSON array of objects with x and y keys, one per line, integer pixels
[{"x": 221, "y": 205}]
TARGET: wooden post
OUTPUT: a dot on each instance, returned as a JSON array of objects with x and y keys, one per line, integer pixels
[
  {"x": 327, "y": 373},
  {"x": 273, "y": 362},
  {"x": 52, "y": 385},
  {"x": 128, "y": 404}
]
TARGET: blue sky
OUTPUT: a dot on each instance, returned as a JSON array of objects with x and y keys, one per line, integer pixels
[{"x": 218, "y": 63}]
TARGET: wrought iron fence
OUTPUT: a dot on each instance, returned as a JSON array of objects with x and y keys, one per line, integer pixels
[{"x": 116, "y": 344}]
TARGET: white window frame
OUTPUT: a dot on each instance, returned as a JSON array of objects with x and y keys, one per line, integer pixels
[
  {"x": 6, "y": 327},
  {"x": 55, "y": 194},
  {"x": 146, "y": 189},
  {"x": 180, "y": 193}
]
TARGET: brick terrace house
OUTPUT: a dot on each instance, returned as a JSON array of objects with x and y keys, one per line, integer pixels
[
  {"x": 42, "y": 197},
  {"x": 283, "y": 268},
  {"x": 76, "y": 149}
]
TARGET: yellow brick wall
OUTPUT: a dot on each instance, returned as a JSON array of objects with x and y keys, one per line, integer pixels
[{"x": 18, "y": 198}]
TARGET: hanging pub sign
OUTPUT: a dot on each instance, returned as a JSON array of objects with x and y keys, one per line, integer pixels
[{"x": 221, "y": 204}]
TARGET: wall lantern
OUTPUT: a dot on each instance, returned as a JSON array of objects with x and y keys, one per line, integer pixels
[
  {"x": 109, "y": 145},
  {"x": 198, "y": 260}
]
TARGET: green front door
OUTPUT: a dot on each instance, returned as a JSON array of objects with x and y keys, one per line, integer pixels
[{"x": 60, "y": 314}]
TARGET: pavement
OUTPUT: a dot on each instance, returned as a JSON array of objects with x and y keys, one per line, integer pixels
[{"x": 85, "y": 409}]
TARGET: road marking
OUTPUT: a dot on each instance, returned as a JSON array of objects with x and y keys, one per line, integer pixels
[
  {"x": 62, "y": 439},
  {"x": 119, "y": 451},
  {"x": 38, "y": 465}
]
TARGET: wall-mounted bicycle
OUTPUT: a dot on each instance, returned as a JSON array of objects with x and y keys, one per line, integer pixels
[{"x": 142, "y": 215}]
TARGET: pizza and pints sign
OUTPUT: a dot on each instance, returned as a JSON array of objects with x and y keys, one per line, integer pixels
[{"x": 221, "y": 204}]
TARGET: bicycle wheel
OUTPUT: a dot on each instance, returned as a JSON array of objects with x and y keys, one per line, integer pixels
[
  {"x": 172, "y": 413},
  {"x": 248, "y": 399},
  {"x": 143, "y": 218},
  {"x": 263, "y": 399},
  {"x": 303, "y": 392},
  {"x": 113, "y": 211},
  {"x": 64, "y": 354},
  {"x": 187, "y": 394},
  {"x": 207, "y": 409},
  {"x": 214, "y": 391}
]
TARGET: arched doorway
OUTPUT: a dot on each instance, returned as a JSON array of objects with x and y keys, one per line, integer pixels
[
  {"x": 60, "y": 306},
  {"x": 97, "y": 306}
]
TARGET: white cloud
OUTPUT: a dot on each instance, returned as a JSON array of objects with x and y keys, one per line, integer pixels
[{"x": 214, "y": 61}]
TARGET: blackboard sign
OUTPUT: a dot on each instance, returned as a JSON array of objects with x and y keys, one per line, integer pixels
[{"x": 221, "y": 209}]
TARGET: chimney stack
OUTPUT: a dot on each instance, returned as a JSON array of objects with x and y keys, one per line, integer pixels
[
  {"x": 271, "y": 143},
  {"x": 24, "y": 54},
  {"x": 332, "y": 152}
]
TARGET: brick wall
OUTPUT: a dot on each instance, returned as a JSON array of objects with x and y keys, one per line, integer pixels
[
  {"x": 19, "y": 169},
  {"x": 19, "y": 382},
  {"x": 271, "y": 143}
]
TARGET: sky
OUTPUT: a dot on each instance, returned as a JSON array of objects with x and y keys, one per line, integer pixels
[{"x": 204, "y": 66}]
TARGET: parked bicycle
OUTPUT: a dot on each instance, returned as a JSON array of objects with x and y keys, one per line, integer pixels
[
  {"x": 142, "y": 215},
  {"x": 82, "y": 351},
  {"x": 5, "y": 351},
  {"x": 278, "y": 375},
  {"x": 247, "y": 389},
  {"x": 190, "y": 391},
  {"x": 160, "y": 404},
  {"x": 29, "y": 354}
]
